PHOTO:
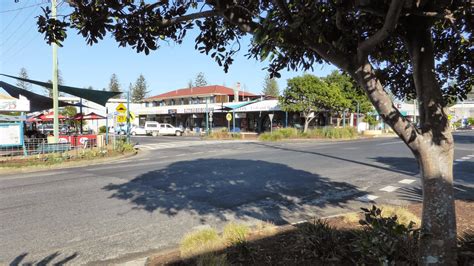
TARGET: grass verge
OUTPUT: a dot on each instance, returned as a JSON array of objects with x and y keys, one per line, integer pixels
[{"x": 317, "y": 133}]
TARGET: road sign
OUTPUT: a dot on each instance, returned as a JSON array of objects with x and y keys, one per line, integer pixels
[
  {"x": 210, "y": 114},
  {"x": 228, "y": 116},
  {"x": 121, "y": 119},
  {"x": 271, "y": 116},
  {"x": 121, "y": 108}
]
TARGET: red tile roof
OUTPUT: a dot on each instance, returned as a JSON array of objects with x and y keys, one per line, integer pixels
[{"x": 197, "y": 91}]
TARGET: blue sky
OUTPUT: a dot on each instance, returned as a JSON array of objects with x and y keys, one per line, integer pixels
[{"x": 168, "y": 68}]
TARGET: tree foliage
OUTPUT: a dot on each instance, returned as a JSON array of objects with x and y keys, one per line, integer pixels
[
  {"x": 350, "y": 91},
  {"x": 23, "y": 84},
  {"x": 114, "y": 85},
  {"x": 308, "y": 94},
  {"x": 140, "y": 89},
  {"x": 270, "y": 87},
  {"x": 200, "y": 80}
]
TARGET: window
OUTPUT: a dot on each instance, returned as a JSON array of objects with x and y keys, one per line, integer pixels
[{"x": 168, "y": 126}]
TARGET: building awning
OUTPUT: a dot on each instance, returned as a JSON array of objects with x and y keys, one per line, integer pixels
[
  {"x": 97, "y": 96},
  {"x": 37, "y": 102}
]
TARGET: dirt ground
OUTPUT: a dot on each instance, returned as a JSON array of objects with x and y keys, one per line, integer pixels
[{"x": 285, "y": 247}]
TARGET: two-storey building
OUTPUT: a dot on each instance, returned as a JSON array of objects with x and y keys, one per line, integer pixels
[{"x": 187, "y": 108}]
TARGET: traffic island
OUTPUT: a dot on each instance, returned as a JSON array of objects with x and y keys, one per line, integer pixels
[{"x": 64, "y": 159}]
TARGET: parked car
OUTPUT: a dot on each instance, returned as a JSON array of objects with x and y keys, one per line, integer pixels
[
  {"x": 167, "y": 129},
  {"x": 152, "y": 128},
  {"x": 138, "y": 131}
]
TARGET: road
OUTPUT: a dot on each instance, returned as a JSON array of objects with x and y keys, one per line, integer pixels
[{"x": 148, "y": 202}]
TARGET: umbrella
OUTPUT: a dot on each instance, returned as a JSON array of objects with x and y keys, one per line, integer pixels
[
  {"x": 49, "y": 117},
  {"x": 89, "y": 116}
]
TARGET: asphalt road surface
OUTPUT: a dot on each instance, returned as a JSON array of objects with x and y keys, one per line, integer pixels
[{"x": 133, "y": 206}]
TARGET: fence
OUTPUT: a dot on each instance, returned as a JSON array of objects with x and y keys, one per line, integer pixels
[{"x": 41, "y": 146}]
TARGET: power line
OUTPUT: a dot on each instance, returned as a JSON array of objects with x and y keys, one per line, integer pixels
[
  {"x": 13, "y": 19},
  {"x": 19, "y": 27},
  {"x": 21, "y": 8}
]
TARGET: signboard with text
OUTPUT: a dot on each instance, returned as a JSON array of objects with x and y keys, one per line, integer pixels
[{"x": 11, "y": 134}]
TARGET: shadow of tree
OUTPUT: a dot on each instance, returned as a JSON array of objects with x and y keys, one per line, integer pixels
[
  {"x": 48, "y": 260},
  {"x": 463, "y": 139},
  {"x": 346, "y": 160},
  {"x": 245, "y": 188},
  {"x": 464, "y": 189}
]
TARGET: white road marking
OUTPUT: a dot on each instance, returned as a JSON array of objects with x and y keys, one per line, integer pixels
[
  {"x": 367, "y": 198},
  {"x": 466, "y": 158},
  {"x": 459, "y": 160},
  {"x": 389, "y": 189},
  {"x": 388, "y": 143},
  {"x": 406, "y": 181}
]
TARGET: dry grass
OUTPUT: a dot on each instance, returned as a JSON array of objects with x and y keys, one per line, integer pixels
[
  {"x": 235, "y": 233},
  {"x": 403, "y": 214},
  {"x": 352, "y": 217},
  {"x": 265, "y": 229},
  {"x": 199, "y": 242}
]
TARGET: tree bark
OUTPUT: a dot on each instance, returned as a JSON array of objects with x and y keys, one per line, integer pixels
[{"x": 435, "y": 153}]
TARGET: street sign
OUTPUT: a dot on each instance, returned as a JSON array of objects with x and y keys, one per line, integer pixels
[
  {"x": 121, "y": 108},
  {"x": 210, "y": 114},
  {"x": 271, "y": 116},
  {"x": 228, "y": 116},
  {"x": 121, "y": 119}
]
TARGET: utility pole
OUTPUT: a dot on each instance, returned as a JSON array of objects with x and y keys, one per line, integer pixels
[
  {"x": 128, "y": 116},
  {"x": 55, "y": 81}
]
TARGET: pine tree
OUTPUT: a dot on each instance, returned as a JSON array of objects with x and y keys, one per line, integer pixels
[
  {"x": 200, "y": 80},
  {"x": 270, "y": 87},
  {"x": 23, "y": 84},
  {"x": 190, "y": 83},
  {"x": 49, "y": 92},
  {"x": 139, "y": 91},
  {"x": 114, "y": 85}
]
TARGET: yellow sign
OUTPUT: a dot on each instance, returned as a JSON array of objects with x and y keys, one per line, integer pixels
[
  {"x": 228, "y": 116},
  {"x": 121, "y": 118},
  {"x": 121, "y": 108}
]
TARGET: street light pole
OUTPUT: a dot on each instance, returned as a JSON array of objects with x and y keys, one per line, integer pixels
[
  {"x": 55, "y": 81},
  {"x": 128, "y": 116}
]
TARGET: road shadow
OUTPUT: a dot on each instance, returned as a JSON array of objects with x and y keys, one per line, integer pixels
[
  {"x": 345, "y": 160},
  {"x": 48, "y": 260},
  {"x": 244, "y": 188},
  {"x": 405, "y": 164},
  {"x": 463, "y": 139},
  {"x": 463, "y": 178}
]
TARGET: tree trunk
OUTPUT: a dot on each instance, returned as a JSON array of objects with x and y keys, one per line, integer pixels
[
  {"x": 432, "y": 146},
  {"x": 435, "y": 156},
  {"x": 306, "y": 124},
  {"x": 438, "y": 226}
]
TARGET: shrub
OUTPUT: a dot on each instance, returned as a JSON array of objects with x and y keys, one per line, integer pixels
[
  {"x": 384, "y": 240},
  {"x": 200, "y": 242},
  {"x": 121, "y": 145},
  {"x": 324, "y": 241},
  {"x": 267, "y": 136},
  {"x": 102, "y": 129}
]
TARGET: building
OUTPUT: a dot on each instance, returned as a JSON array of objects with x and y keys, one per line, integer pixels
[{"x": 187, "y": 108}]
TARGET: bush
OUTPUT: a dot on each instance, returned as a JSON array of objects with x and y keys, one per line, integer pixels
[
  {"x": 121, "y": 145},
  {"x": 102, "y": 129},
  {"x": 384, "y": 240},
  {"x": 325, "y": 132},
  {"x": 325, "y": 242}
]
